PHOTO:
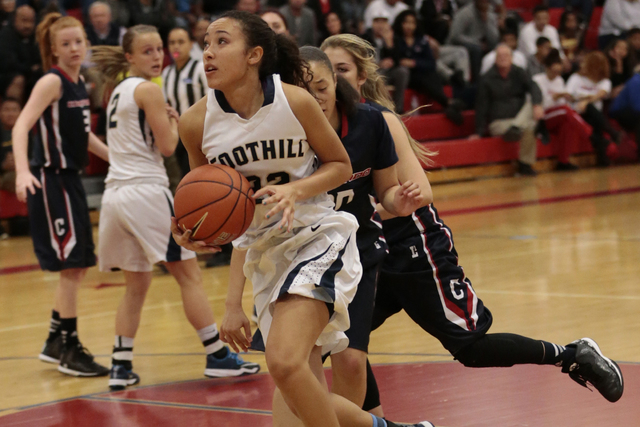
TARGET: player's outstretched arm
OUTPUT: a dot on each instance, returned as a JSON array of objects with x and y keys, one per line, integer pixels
[
  {"x": 235, "y": 329},
  {"x": 46, "y": 91},
  {"x": 191, "y": 129},
  {"x": 97, "y": 147}
]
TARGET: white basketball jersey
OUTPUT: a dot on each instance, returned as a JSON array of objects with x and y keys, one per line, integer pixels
[
  {"x": 132, "y": 150},
  {"x": 270, "y": 148}
]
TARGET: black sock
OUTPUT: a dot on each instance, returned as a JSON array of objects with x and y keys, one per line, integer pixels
[
  {"x": 210, "y": 338},
  {"x": 222, "y": 353},
  {"x": 504, "y": 350},
  {"x": 69, "y": 331},
  {"x": 54, "y": 326}
]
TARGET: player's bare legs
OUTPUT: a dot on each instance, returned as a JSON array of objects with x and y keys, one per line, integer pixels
[
  {"x": 130, "y": 308},
  {"x": 66, "y": 298},
  {"x": 194, "y": 298},
  {"x": 350, "y": 375}
]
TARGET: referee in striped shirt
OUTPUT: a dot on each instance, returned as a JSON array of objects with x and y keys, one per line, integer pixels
[{"x": 184, "y": 83}]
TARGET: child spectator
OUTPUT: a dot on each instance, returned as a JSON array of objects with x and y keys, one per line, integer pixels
[
  {"x": 588, "y": 88},
  {"x": 571, "y": 34},
  {"x": 509, "y": 38},
  {"x": 535, "y": 63},
  {"x": 386, "y": 44},
  {"x": 559, "y": 118},
  {"x": 416, "y": 55},
  {"x": 620, "y": 65}
]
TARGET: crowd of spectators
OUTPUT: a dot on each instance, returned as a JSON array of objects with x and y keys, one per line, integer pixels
[{"x": 517, "y": 75}]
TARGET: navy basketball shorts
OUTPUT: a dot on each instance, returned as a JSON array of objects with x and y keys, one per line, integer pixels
[
  {"x": 440, "y": 299},
  {"x": 361, "y": 309},
  {"x": 59, "y": 217}
]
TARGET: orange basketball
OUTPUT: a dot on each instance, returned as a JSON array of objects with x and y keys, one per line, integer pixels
[{"x": 215, "y": 202}]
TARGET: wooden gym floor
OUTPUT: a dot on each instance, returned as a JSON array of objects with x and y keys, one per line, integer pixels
[{"x": 555, "y": 257}]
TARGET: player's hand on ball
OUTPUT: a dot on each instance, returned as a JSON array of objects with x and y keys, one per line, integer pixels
[
  {"x": 183, "y": 238},
  {"x": 284, "y": 197},
  {"x": 235, "y": 329},
  {"x": 26, "y": 181},
  {"x": 407, "y": 198}
]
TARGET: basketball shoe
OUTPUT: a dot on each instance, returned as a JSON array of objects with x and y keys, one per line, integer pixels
[
  {"x": 77, "y": 361},
  {"x": 421, "y": 424},
  {"x": 590, "y": 366},
  {"x": 51, "y": 350},
  {"x": 120, "y": 377},
  {"x": 231, "y": 365}
]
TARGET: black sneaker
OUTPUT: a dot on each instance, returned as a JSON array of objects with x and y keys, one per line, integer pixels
[
  {"x": 120, "y": 377},
  {"x": 592, "y": 367},
  {"x": 51, "y": 350},
  {"x": 566, "y": 167},
  {"x": 513, "y": 134},
  {"x": 525, "y": 169},
  {"x": 77, "y": 361}
]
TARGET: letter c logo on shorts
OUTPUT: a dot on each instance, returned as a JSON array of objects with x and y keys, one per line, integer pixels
[{"x": 59, "y": 226}]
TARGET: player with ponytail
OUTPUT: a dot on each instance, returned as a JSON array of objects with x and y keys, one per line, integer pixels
[
  {"x": 50, "y": 183},
  {"x": 300, "y": 255}
]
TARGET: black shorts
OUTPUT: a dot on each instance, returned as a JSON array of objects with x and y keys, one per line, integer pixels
[
  {"x": 361, "y": 310},
  {"x": 59, "y": 218},
  {"x": 445, "y": 306}
]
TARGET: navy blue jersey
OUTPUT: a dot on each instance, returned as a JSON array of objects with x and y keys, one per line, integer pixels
[
  {"x": 368, "y": 142},
  {"x": 375, "y": 106},
  {"x": 412, "y": 239},
  {"x": 62, "y": 133}
]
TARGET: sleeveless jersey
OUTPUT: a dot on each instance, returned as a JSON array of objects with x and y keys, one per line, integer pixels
[
  {"x": 132, "y": 150},
  {"x": 62, "y": 134},
  {"x": 270, "y": 148},
  {"x": 368, "y": 142}
]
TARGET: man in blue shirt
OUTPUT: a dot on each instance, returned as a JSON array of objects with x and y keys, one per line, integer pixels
[{"x": 625, "y": 108}]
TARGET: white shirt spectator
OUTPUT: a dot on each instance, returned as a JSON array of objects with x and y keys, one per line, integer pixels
[
  {"x": 375, "y": 8},
  {"x": 580, "y": 87},
  {"x": 489, "y": 60},
  {"x": 549, "y": 88},
  {"x": 529, "y": 34},
  {"x": 619, "y": 16}
]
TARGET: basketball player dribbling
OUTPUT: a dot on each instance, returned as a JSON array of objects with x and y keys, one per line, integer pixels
[
  {"x": 137, "y": 205},
  {"x": 422, "y": 275},
  {"x": 300, "y": 254},
  {"x": 58, "y": 212}
]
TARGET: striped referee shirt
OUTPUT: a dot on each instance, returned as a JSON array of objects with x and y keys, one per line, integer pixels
[{"x": 183, "y": 88}]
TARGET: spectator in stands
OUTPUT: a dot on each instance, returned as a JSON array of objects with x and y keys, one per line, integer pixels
[
  {"x": 276, "y": 21},
  {"x": 476, "y": 28},
  {"x": 415, "y": 54},
  {"x": 625, "y": 109},
  {"x": 322, "y": 9},
  {"x": 559, "y": 118},
  {"x": 633, "y": 37},
  {"x": 620, "y": 66},
  {"x": 301, "y": 22},
  {"x": 510, "y": 38},
  {"x": 584, "y": 7},
  {"x": 618, "y": 17},
  {"x": 197, "y": 34},
  {"x": 7, "y": 8},
  {"x": 392, "y": 7},
  {"x": 386, "y": 43},
  {"x": 535, "y": 63},
  {"x": 9, "y": 112},
  {"x": 452, "y": 63},
  {"x": 539, "y": 27},
  {"x": 503, "y": 103},
  {"x": 571, "y": 33},
  {"x": 101, "y": 29},
  {"x": 20, "y": 58},
  {"x": 251, "y": 6},
  {"x": 153, "y": 12},
  {"x": 588, "y": 88},
  {"x": 436, "y": 17},
  {"x": 332, "y": 24}
]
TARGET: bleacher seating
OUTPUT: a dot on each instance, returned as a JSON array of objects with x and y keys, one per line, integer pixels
[
  {"x": 555, "y": 13},
  {"x": 10, "y": 207},
  {"x": 413, "y": 100},
  {"x": 591, "y": 36}
]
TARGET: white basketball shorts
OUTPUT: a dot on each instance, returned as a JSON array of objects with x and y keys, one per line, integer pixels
[{"x": 135, "y": 228}]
